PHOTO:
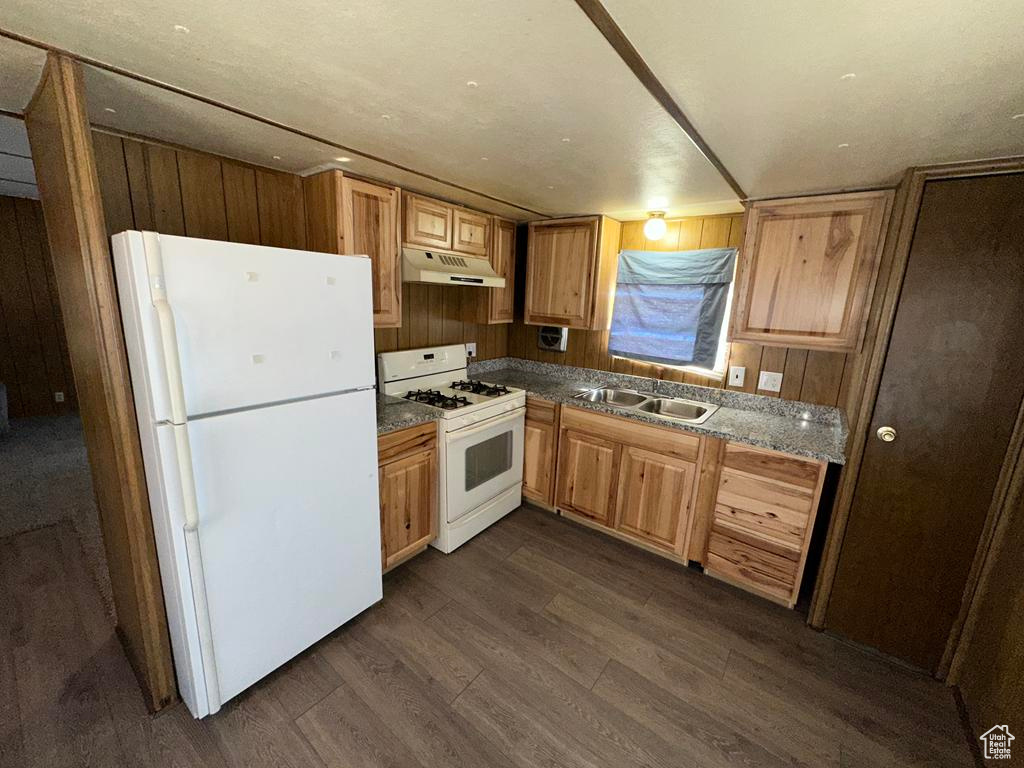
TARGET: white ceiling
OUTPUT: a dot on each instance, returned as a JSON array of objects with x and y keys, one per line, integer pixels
[
  {"x": 544, "y": 74},
  {"x": 935, "y": 81},
  {"x": 763, "y": 82}
]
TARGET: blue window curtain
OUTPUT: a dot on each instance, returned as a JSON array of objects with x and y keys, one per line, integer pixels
[{"x": 670, "y": 305}]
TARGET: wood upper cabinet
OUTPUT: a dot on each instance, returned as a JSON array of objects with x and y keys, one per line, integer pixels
[
  {"x": 655, "y": 496},
  {"x": 490, "y": 306},
  {"x": 807, "y": 270},
  {"x": 762, "y": 521},
  {"x": 469, "y": 232},
  {"x": 570, "y": 272},
  {"x": 350, "y": 216},
  {"x": 539, "y": 442},
  {"x": 428, "y": 223},
  {"x": 407, "y": 478}
]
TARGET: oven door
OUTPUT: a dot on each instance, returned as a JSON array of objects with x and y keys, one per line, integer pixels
[{"x": 482, "y": 461}]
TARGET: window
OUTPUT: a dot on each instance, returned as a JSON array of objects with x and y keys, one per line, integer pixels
[{"x": 670, "y": 307}]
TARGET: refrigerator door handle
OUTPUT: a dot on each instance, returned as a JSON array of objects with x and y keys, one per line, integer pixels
[{"x": 183, "y": 461}]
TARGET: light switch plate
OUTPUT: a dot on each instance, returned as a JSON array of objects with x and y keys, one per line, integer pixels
[
  {"x": 769, "y": 381},
  {"x": 470, "y": 349},
  {"x": 736, "y": 375}
]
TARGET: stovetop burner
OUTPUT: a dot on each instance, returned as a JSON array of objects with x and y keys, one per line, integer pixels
[
  {"x": 480, "y": 388},
  {"x": 436, "y": 399}
]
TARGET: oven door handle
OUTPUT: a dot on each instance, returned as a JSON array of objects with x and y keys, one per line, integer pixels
[{"x": 460, "y": 434}]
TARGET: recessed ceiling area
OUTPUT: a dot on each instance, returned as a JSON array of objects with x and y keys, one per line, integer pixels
[
  {"x": 379, "y": 78},
  {"x": 17, "y": 176},
  {"x": 822, "y": 96}
]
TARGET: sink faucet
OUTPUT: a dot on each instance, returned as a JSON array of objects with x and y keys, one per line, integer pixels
[{"x": 654, "y": 385}]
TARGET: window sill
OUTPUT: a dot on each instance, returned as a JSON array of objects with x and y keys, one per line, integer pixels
[{"x": 715, "y": 375}]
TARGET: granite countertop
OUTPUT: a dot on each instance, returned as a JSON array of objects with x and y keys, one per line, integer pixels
[
  {"x": 815, "y": 431},
  {"x": 397, "y": 413}
]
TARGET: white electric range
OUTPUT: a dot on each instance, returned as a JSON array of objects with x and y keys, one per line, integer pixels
[{"x": 480, "y": 437}]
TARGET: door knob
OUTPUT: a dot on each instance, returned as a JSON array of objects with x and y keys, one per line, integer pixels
[{"x": 886, "y": 434}]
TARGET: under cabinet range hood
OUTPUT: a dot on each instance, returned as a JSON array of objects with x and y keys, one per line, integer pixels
[{"x": 443, "y": 268}]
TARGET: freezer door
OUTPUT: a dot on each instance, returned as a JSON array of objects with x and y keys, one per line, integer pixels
[
  {"x": 289, "y": 527},
  {"x": 254, "y": 324}
]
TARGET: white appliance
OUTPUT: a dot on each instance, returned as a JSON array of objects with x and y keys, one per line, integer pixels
[
  {"x": 480, "y": 435},
  {"x": 252, "y": 370},
  {"x": 438, "y": 267}
]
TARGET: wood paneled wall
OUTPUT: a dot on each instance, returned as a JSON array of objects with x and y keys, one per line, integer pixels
[
  {"x": 433, "y": 314},
  {"x": 181, "y": 192},
  {"x": 34, "y": 362},
  {"x": 815, "y": 377}
]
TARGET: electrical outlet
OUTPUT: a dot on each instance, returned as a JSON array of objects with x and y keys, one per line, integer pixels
[
  {"x": 58, "y": 397},
  {"x": 471, "y": 349},
  {"x": 736, "y": 375},
  {"x": 769, "y": 381}
]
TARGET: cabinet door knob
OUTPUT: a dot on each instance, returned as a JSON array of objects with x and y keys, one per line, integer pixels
[{"x": 886, "y": 434}]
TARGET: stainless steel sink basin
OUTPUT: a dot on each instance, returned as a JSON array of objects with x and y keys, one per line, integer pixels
[
  {"x": 624, "y": 398},
  {"x": 673, "y": 408},
  {"x": 680, "y": 410}
]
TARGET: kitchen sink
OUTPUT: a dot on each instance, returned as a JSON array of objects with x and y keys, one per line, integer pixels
[
  {"x": 672, "y": 408},
  {"x": 680, "y": 410},
  {"x": 625, "y": 398}
]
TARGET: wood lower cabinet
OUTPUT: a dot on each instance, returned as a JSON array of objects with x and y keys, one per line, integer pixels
[
  {"x": 746, "y": 513},
  {"x": 350, "y": 216},
  {"x": 539, "y": 451},
  {"x": 570, "y": 272},
  {"x": 807, "y": 270},
  {"x": 407, "y": 476},
  {"x": 762, "y": 521},
  {"x": 633, "y": 479},
  {"x": 654, "y": 497},
  {"x": 587, "y": 468}
]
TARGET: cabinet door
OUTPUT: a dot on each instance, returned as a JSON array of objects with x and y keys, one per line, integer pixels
[
  {"x": 503, "y": 260},
  {"x": 808, "y": 268},
  {"x": 561, "y": 260},
  {"x": 408, "y": 499},
  {"x": 469, "y": 232},
  {"x": 539, "y": 451},
  {"x": 428, "y": 223},
  {"x": 587, "y": 467},
  {"x": 654, "y": 498},
  {"x": 371, "y": 228}
]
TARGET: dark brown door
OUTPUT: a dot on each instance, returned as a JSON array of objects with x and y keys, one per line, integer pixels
[{"x": 951, "y": 388}]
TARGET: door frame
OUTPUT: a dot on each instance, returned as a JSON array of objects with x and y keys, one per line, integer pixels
[{"x": 895, "y": 257}]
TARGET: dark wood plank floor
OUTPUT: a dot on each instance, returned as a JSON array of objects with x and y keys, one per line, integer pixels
[{"x": 539, "y": 643}]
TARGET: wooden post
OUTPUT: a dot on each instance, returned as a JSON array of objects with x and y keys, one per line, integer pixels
[{"x": 62, "y": 151}]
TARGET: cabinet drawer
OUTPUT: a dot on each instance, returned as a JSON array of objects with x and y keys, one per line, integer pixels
[
  {"x": 768, "y": 510},
  {"x": 765, "y": 568},
  {"x": 541, "y": 411},
  {"x": 772, "y": 465}
]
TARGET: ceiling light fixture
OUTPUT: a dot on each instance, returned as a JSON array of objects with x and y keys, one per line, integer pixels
[
  {"x": 551, "y": 186},
  {"x": 182, "y": 29},
  {"x": 385, "y": 117},
  {"x": 848, "y": 76},
  {"x": 277, "y": 157},
  {"x": 844, "y": 145},
  {"x": 655, "y": 226},
  {"x": 1018, "y": 116},
  {"x": 566, "y": 140},
  {"x": 472, "y": 83},
  {"x": 343, "y": 159},
  {"x": 483, "y": 158},
  {"x": 111, "y": 110}
]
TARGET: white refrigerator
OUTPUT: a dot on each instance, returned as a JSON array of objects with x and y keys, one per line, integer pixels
[{"x": 252, "y": 371}]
